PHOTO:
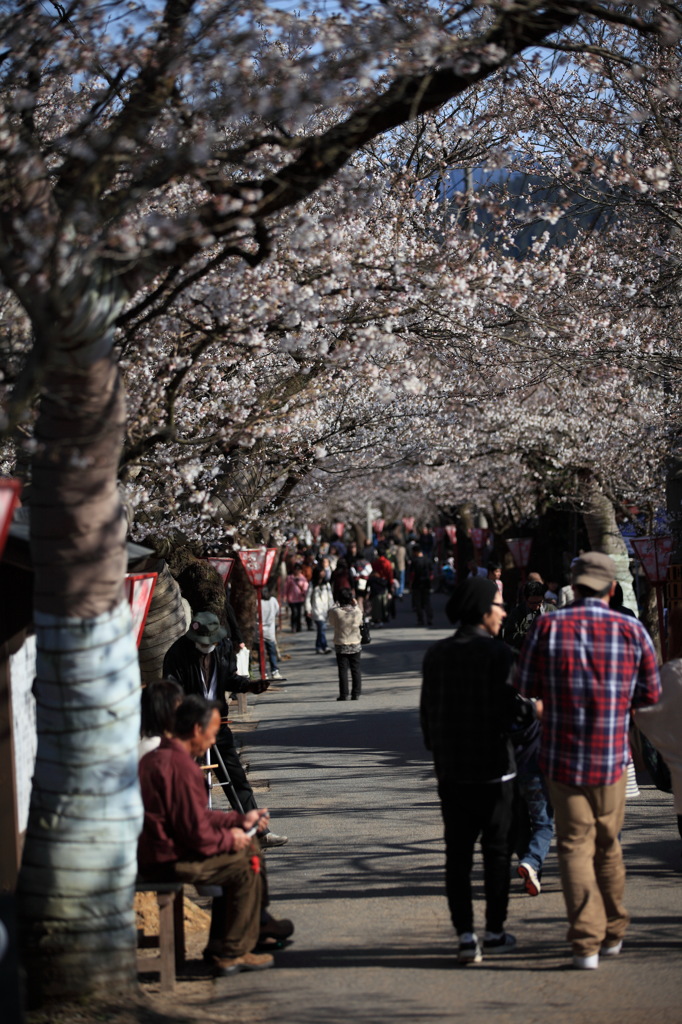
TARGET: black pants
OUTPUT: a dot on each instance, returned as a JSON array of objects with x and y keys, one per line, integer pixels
[
  {"x": 346, "y": 662},
  {"x": 469, "y": 811},
  {"x": 228, "y": 752},
  {"x": 295, "y": 610},
  {"x": 421, "y": 602}
]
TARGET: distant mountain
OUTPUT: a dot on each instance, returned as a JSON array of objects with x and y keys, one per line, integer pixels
[{"x": 525, "y": 192}]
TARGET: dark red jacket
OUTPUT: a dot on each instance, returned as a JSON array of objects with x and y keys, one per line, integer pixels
[
  {"x": 383, "y": 568},
  {"x": 177, "y": 822}
]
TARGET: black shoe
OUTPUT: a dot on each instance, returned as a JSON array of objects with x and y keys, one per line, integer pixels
[
  {"x": 342, "y": 698},
  {"x": 355, "y": 696},
  {"x": 469, "y": 951},
  {"x": 502, "y": 943},
  {"x": 273, "y": 931}
]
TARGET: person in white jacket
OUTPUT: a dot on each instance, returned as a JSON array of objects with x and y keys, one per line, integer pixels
[
  {"x": 269, "y": 611},
  {"x": 318, "y": 601}
]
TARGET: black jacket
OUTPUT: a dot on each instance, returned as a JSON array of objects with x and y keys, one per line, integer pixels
[
  {"x": 183, "y": 663},
  {"x": 468, "y": 707}
]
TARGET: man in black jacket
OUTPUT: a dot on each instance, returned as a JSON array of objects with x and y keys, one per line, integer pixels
[
  {"x": 467, "y": 710},
  {"x": 204, "y": 662},
  {"x": 420, "y": 586}
]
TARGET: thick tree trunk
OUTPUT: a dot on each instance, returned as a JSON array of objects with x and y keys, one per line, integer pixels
[
  {"x": 79, "y": 863},
  {"x": 602, "y": 530}
]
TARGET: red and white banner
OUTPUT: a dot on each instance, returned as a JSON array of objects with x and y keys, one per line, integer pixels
[
  {"x": 315, "y": 530},
  {"x": 378, "y": 526},
  {"x": 139, "y": 591},
  {"x": 520, "y": 551},
  {"x": 654, "y": 554},
  {"x": 258, "y": 563},
  {"x": 338, "y": 529},
  {"x": 479, "y": 538},
  {"x": 224, "y": 566},
  {"x": 408, "y": 523},
  {"x": 10, "y": 489}
]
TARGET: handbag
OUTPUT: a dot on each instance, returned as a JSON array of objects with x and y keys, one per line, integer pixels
[{"x": 365, "y": 635}]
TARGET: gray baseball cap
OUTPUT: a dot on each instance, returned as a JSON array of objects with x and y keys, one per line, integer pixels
[{"x": 594, "y": 570}]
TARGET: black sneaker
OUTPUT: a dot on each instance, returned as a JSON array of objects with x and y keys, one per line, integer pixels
[
  {"x": 469, "y": 951},
  {"x": 500, "y": 943}
]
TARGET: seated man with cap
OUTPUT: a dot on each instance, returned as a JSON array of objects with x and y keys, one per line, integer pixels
[{"x": 204, "y": 662}]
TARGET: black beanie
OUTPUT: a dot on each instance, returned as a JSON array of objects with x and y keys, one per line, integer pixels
[{"x": 471, "y": 600}]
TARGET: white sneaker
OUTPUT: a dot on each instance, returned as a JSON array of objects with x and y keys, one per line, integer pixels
[
  {"x": 530, "y": 877},
  {"x": 277, "y": 674},
  {"x": 586, "y": 963},
  {"x": 271, "y": 839},
  {"x": 612, "y": 950}
]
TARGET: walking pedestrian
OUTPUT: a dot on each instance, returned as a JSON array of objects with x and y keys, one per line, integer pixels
[
  {"x": 589, "y": 666},
  {"x": 400, "y": 561},
  {"x": 467, "y": 711},
  {"x": 495, "y": 574},
  {"x": 269, "y": 612},
  {"x": 346, "y": 619},
  {"x": 420, "y": 586},
  {"x": 533, "y": 820},
  {"x": 380, "y": 586},
  {"x": 524, "y": 615},
  {"x": 295, "y": 589},
  {"x": 318, "y": 602}
]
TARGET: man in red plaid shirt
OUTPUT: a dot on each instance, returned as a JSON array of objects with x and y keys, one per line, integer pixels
[{"x": 588, "y": 667}]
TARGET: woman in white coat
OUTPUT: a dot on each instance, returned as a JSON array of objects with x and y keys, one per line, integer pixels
[{"x": 318, "y": 602}]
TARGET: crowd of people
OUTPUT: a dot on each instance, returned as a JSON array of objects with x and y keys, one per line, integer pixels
[{"x": 526, "y": 715}]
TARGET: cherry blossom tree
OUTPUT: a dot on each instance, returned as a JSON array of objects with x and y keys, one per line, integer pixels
[{"x": 143, "y": 147}]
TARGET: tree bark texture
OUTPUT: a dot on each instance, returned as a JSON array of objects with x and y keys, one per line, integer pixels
[
  {"x": 79, "y": 864},
  {"x": 167, "y": 620},
  {"x": 244, "y": 601},
  {"x": 602, "y": 530}
]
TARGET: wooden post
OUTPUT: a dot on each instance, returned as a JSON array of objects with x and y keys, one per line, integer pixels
[
  {"x": 166, "y": 902},
  {"x": 179, "y": 928},
  {"x": 674, "y": 611}
]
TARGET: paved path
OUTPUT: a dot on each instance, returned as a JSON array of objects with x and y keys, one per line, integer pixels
[{"x": 351, "y": 785}]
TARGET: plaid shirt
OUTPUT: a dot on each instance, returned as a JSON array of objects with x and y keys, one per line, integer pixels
[{"x": 590, "y": 666}]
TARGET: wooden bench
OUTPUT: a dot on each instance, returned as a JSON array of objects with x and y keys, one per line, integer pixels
[{"x": 171, "y": 938}]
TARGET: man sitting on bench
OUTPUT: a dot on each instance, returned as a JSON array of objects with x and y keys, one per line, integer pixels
[{"x": 182, "y": 840}]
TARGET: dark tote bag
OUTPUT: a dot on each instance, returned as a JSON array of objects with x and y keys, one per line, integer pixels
[
  {"x": 652, "y": 760},
  {"x": 365, "y": 635}
]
